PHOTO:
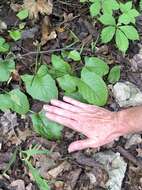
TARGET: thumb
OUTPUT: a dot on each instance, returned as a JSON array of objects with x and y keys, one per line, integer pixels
[{"x": 81, "y": 144}]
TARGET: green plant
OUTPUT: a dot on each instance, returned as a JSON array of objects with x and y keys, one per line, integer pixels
[
  {"x": 4, "y": 47},
  {"x": 7, "y": 66},
  {"x": 118, "y": 20},
  {"x": 23, "y": 14},
  {"x": 89, "y": 87},
  {"x": 26, "y": 157},
  {"x": 15, "y": 34}
]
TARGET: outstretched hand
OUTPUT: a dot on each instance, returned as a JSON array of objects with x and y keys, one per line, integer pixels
[{"x": 100, "y": 126}]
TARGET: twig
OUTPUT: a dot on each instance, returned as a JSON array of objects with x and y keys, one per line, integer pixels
[
  {"x": 44, "y": 52},
  {"x": 129, "y": 156}
]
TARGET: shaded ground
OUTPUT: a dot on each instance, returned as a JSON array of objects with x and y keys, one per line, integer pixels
[{"x": 71, "y": 171}]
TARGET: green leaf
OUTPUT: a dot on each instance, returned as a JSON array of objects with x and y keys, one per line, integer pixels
[
  {"x": 114, "y": 74},
  {"x": 4, "y": 47},
  {"x": 15, "y": 35},
  {"x": 95, "y": 8},
  {"x": 60, "y": 65},
  {"x": 124, "y": 19},
  {"x": 5, "y": 102},
  {"x": 126, "y": 7},
  {"x": 75, "y": 55},
  {"x": 107, "y": 34},
  {"x": 7, "y": 66},
  {"x": 109, "y": 5},
  {"x": 93, "y": 88},
  {"x": 46, "y": 128},
  {"x": 23, "y": 14},
  {"x": 42, "y": 183},
  {"x": 20, "y": 103},
  {"x": 67, "y": 83},
  {"x": 130, "y": 32},
  {"x": 121, "y": 41},
  {"x": 107, "y": 19},
  {"x": 96, "y": 65},
  {"x": 14, "y": 100},
  {"x": 41, "y": 86},
  {"x": 34, "y": 151}
]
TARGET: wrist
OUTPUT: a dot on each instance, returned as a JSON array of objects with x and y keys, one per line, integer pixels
[{"x": 129, "y": 120}]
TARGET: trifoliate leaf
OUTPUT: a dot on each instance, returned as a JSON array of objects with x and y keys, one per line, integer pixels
[
  {"x": 107, "y": 34},
  {"x": 47, "y": 129},
  {"x": 92, "y": 88},
  {"x": 41, "y": 86},
  {"x": 130, "y": 32},
  {"x": 7, "y": 66},
  {"x": 114, "y": 74},
  {"x": 121, "y": 41},
  {"x": 107, "y": 19},
  {"x": 96, "y": 65}
]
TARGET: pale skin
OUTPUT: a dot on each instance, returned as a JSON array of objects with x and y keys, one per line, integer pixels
[{"x": 99, "y": 125}]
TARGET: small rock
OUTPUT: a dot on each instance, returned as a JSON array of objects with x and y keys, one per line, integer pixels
[
  {"x": 115, "y": 166},
  {"x": 127, "y": 94},
  {"x": 132, "y": 140},
  {"x": 3, "y": 25}
]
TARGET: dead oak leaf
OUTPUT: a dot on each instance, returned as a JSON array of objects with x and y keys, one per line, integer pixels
[
  {"x": 47, "y": 33},
  {"x": 38, "y": 6}
]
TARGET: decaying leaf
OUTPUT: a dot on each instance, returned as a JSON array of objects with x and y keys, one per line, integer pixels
[
  {"x": 64, "y": 166},
  {"x": 47, "y": 33},
  {"x": 18, "y": 184},
  {"x": 38, "y": 6}
]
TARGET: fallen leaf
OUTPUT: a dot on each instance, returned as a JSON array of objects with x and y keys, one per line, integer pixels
[
  {"x": 40, "y": 6},
  {"x": 139, "y": 151},
  {"x": 18, "y": 184},
  {"x": 53, "y": 173},
  {"x": 133, "y": 139},
  {"x": 47, "y": 33},
  {"x": 15, "y": 6}
]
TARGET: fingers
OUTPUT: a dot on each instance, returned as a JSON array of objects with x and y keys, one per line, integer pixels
[
  {"x": 74, "y": 102},
  {"x": 87, "y": 107},
  {"x": 63, "y": 121},
  {"x": 82, "y": 144},
  {"x": 60, "y": 111},
  {"x": 66, "y": 106}
]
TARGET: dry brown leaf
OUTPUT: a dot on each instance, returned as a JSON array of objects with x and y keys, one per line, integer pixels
[
  {"x": 18, "y": 184},
  {"x": 38, "y": 6},
  {"x": 15, "y": 7},
  {"x": 139, "y": 151},
  {"x": 64, "y": 166},
  {"x": 47, "y": 33}
]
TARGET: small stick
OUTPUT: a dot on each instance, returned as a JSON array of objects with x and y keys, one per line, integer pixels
[{"x": 129, "y": 156}]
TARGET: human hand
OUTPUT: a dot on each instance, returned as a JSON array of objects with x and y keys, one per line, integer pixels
[{"x": 99, "y": 125}]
